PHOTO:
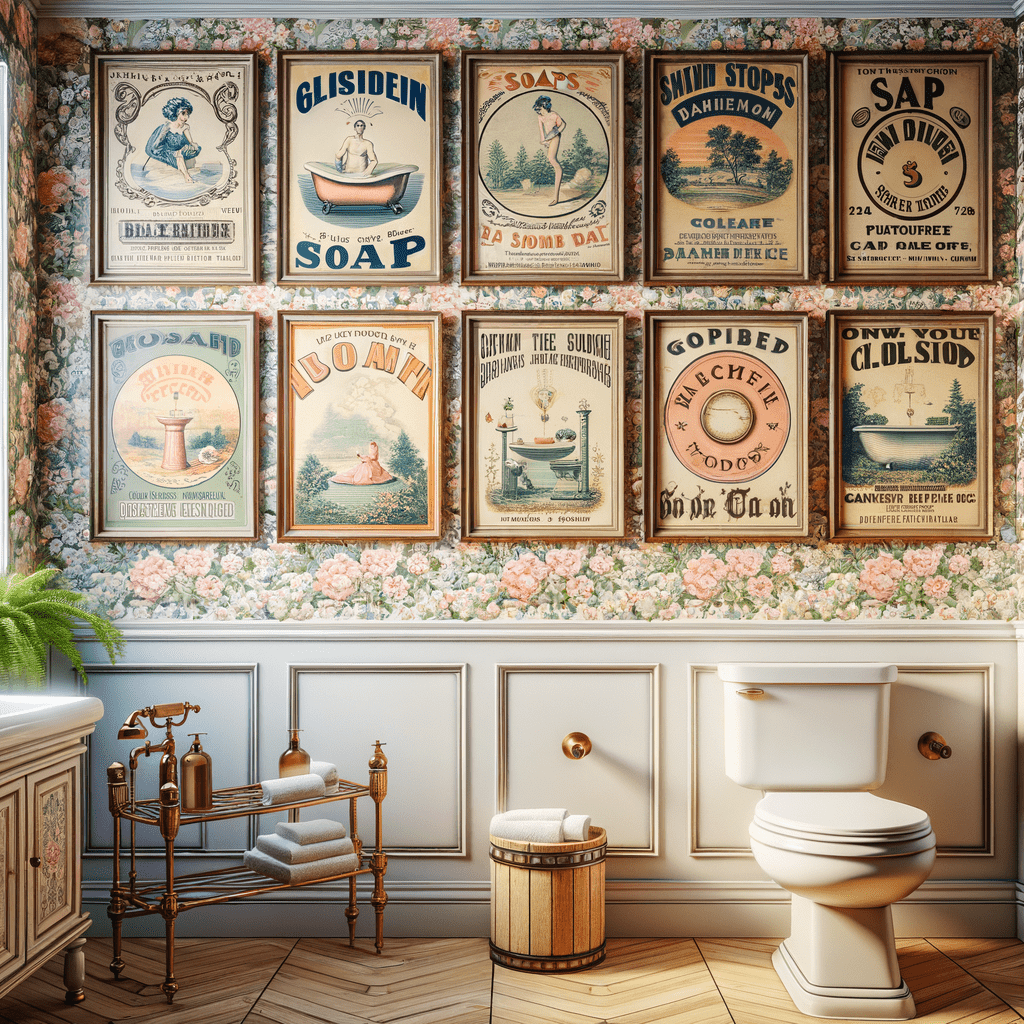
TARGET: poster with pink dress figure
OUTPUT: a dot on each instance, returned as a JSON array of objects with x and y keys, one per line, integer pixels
[{"x": 359, "y": 423}]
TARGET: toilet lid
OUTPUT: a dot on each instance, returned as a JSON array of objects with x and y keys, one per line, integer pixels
[{"x": 850, "y": 816}]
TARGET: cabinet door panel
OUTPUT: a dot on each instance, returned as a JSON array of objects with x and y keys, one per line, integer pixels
[
  {"x": 12, "y": 870},
  {"x": 54, "y": 886}
]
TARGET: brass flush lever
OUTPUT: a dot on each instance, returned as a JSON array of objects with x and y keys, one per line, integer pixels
[
  {"x": 576, "y": 745},
  {"x": 934, "y": 747}
]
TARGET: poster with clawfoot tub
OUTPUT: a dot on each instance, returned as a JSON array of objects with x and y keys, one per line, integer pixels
[
  {"x": 911, "y": 425},
  {"x": 542, "y": 167},
  {"x": 175, "y": 183},
  {"x": 359, "y": 157}
]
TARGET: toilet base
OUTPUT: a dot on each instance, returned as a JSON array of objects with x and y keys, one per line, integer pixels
[{"x": 843, "y": 1003}]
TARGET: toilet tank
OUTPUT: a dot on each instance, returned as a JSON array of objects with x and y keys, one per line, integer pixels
[{"x": 806, "y": 727}]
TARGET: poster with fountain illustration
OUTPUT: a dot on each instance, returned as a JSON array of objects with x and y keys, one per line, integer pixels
[
  {"x": 174, "y": 425},
  {"x": 543, "y": 452},
  {"x": 911, "y": 425},
  {"x": 726, "y": 166}
]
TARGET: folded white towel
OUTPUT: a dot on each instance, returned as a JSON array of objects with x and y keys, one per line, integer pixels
[
  {"x": 316, "y": 830},
  {"x": 576, "y": 828},
  {"x": 288, "y": 852},
  {"x": 527, "y": 831},
  {"x": 256, "y": 860},
  {"x": 327, "y": 771},
  {"x": 534, "y": 814},
  {"x": 295, "y": 787}
]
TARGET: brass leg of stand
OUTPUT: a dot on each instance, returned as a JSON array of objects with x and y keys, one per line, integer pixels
[
  {"x": 118, "y": 795},
  {"x": 378, "y": 859},
  {"x": 352, "y": 911},
  {"x": 170, "y": 986}
]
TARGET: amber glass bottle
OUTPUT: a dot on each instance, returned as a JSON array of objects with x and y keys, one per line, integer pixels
[{"x": 294, "y": 761}]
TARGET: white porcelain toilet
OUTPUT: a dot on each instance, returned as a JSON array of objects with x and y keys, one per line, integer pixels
[{"x": 814, "y": 738}]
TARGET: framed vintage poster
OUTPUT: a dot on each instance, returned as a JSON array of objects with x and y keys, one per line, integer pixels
[
  {"x": 725, "y": 167},
  {"x": 543, "y": 408},
  {"x": 175, "y": 156},
  {"x": 542, "y": 167},
  {"x": 911, "y": 425},
  {"x": 726, "y": 425},
  {"x": 359, "y": 425},
  {"x": 175, "y": 430},
  {"x": 359, "y": 167},
  {"x": 911, "y": 193}
]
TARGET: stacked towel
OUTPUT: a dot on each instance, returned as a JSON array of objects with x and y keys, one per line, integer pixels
[
  {"x": 304, "y": 851},
  {"x": 327, "y": 771},
  {"x": 295, "y": 787},
  {"x": 541, "y": 825}
]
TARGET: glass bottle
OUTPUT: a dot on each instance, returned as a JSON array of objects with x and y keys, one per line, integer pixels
[{"x": 294, "y": 761}]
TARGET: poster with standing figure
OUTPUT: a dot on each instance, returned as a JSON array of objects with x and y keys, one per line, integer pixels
[
  {"x": 359, "y": 167},
  {"x": 543, "y": 451},
  {"x": 175, "y": 154},
  {"x": 542, "y": 167}
]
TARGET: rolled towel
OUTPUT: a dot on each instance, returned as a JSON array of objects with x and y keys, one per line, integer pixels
[
  {"x": 535, "y": 814},
  {"x": 576, "y": 828},
  {"x": 316, "y": 830},
  {"x": 527, "y": 831},
  {"x": 295, "y": 787},
  {"x": 327, "y": 771},
  {"x": 288, "y": 852},
  {"x": 312, "y": 870}
]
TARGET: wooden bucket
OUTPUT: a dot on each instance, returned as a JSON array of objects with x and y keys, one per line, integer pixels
[{"x": 547, "y": 903}]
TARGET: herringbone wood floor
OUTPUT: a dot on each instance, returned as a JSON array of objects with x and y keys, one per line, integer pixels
[{"x": 447, "y": 981}]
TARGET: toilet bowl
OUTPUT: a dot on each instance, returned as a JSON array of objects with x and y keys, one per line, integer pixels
[{"x": 844, "y": 854}]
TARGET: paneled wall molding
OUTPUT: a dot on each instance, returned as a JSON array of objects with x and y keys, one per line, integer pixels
[
  {"x": 889, "y": 630},
  {"x": 693, "y": 10}
]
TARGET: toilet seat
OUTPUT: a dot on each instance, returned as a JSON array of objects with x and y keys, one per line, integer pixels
[{"x": 841, "y": 825}]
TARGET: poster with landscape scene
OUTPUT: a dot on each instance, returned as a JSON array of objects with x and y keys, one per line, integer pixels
[
  {"x": 174, "y": 425},
  {"x": 542, "y": 167},
  {"x": 725, "y": 167},
  {"x": 911, "y": 425},
  {"x": 358, "y": 451},
  {"x": 543, "y": 449}
]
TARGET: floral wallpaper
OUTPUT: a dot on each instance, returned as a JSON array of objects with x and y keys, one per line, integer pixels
[
  {"x": 449, "y": 579},
  {"x": 17, "y": 50}
]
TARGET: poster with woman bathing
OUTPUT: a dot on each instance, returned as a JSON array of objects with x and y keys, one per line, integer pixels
[
  {"x": 175, "y": 150},
  {"x": 360, "y": 430},
  {"x": 358, "y": 167},
  {"x": 725, "y": 190},
  {"x": 542, "y": 167}
]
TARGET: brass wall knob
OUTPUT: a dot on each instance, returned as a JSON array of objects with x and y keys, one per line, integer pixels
[
  {"x": 576, "y": 745},
  {"x": 934, "y": 747}
]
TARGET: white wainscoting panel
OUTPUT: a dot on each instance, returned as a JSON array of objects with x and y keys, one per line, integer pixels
[
  {"x": 617, "y": 783},
  {"x": 419, "y": 713}
]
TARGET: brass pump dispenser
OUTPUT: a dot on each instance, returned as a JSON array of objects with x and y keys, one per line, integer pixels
[{"x": 197, "y": 777}]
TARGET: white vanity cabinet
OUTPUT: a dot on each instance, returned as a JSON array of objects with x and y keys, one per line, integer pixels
[{"x": 42, "y": 743}]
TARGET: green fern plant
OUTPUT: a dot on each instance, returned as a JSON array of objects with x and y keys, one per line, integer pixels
[{"x": 35, "y": 617}]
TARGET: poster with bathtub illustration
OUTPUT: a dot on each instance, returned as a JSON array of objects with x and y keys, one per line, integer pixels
[
  {"x": 543, "y": 450},
  {"x": 174, "y": 426},
  {"x": 725, "y": 167},
  {"x": 542, "y": 167},
  {"x": 911, "y": 178},
  {"x": 359, "y": 426},
  {"x": 175, "y": 193},
  {"x": 359, "y": 158},
  {"x": 726, "y": 443},
  {"x": 911, "y": 425}
]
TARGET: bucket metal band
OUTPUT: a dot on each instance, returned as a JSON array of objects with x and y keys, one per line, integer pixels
[
  {"x": 547, "y": 964},
  {"x": 548, "y": 861}
]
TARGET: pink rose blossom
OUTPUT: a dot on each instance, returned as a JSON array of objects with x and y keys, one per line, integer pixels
[
  {"x": 879, "y": 577},
  {"x": 743, "y": 562},
  {"x": 922, "y": 562},
  {"x": 936, "y": 587},
  {"x": 231, "y": 564},
  {"x": 759, "y": 586},
  {"x": 418, "y": 564},
  {"x": 209, "y": 587},
  {"x": 336, "y": 577},
  {"x": 22, "y": 478},
  {"x": 601, "y": 564},
  {"x": 193, "y": 561},
  {"x": 395, "y": 587},
  {"x": 523, "y": 576},
  {"x": 959, "y": 564},
  {"x": 579, "y": 588},
  {"x": 149, "y": 577},
  {"x": 782, "y": 564},
  {"x": 564, "y": 562},
  {"x": 378, "y": 561},
  {"x": 703, "y": 576}
]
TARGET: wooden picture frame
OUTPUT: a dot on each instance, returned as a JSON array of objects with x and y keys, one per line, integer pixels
[
  {"x": 911, "y": 425},
  {"x": 359, "y": 167},
  {"x": 175, "y": 428},
  {"x": 726, "y": 425},
  {"x": 538, "y": 206},
  {"x": 176, "y": 170},
  {"x": 543, "y": 413},
  {"x": 725, "y": 167},
  {"x": 359, "y": 453},
  {"x": 911, "y": 169}
]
